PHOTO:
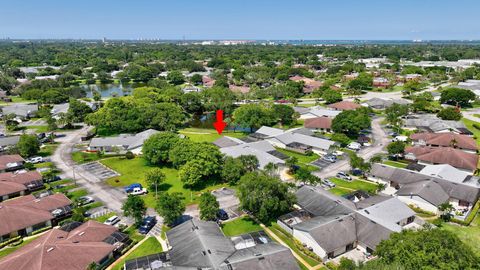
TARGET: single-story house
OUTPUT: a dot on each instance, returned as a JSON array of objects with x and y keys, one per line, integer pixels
[
  {"x": 22, "y": 111},
  {"x": 381, "y": 82},
  {"x": 323, "y": 124},
  {"x": 266, "y": 132},
  {"x": 296, "y": 141},
  {"x": 344, "y": 105},
  {"x": 191, "y": 89},
  {"x": 125, "y": 142},
  {"x": 263, "y": 150},
  {"x": 426, "y": 191},
  {"x": 200, "y": 244},
  {"x": 309, "y": 85},
  {"x": 74, "y": 246},
  {"x": 58, "y": 109},
  {"x": 10, "y": 163},
  {"x": 313, "y": 112},
  {"x": 446, "y": 171},
  {"x": 443, "y": 155},
  {"x": 227, "y": 141},
  {"x": 331, "y": 225},
  {"x": 383, "y": 103},
  {"x": 23, "y": 215},
  {"x": 448, "y": 139},
  {"x": 17, "y": 184},
  {"x": 7, "y": 142},
  {"x": 432, "y": 123}
]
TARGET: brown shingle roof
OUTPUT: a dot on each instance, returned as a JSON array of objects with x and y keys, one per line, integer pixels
[
  {"x": 27, "y": 211},
  {"x": 344, "y": 105},
  {"x": 5, "y": 159},
  {"x": 319, "y": 122},
  {"x": 59, "y": 250},
  {"x": 21, "y": 178},
  {"x": 445, "y": 155},
  {"x": 7, "y": 188},
  {"x": 446, "y": 139},
  {"x": 309, "y": 84}
]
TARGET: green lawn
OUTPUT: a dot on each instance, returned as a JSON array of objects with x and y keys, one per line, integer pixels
[
  {"x": 73, "y": 195},
  {"x": 39, "y": 129},
  {"x": 469, "y": 235},
  {"x": 208, "y": 135},
  {"x": 288, "y": 239},
  {"x": 104, "y": 218},
  {"x": 43, "y": 165},
  {"x": 150, "y": 246},
  {"x": 84, "y": 157},
  {"x": 133, "y": 171},
  {"x": 395, "y": 164},
  {"x": 339, "y": 191},
  {"x": 303, "y": 160},
  {"x": 240, "y": 226},
  {"x": 355, "y": 185},
  {"x": 476, "y": 132},
  {"x": 7, "y": 250},
  {"x": 47, "y": 150}
]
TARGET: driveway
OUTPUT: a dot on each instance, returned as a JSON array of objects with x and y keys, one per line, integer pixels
[
  {"x": 111, "y": 197},
  {"x": 380, "y": 140}
]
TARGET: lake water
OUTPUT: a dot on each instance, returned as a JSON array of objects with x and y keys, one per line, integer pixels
[{"x": 111, "y": 90}]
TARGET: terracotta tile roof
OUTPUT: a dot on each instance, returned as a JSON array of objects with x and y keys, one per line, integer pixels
[
  {"x": 446, "y": 139},
  {"x": 319, "y": 122},
  {"x": 207, "y": 81},
  {"x": 7, "y": 188},
  {"x": 309, "y": 84},
  {"x": 59, "y": 250},
  {"x": 345, "y": 105},
  {"x": 21, "y": 178},
  {"x": 5, "y": 159},
  {"x": 445, "y": 155},
  {"x": 242, "y": 89},
  {"x": 26, "y": 211}
]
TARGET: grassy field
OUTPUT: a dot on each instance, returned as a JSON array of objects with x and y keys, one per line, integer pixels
[
  {"x": 208, "y": 135},
  {"x": 476, "y": 132},
  {"x": 354, "y": 185},
  {"x": 395, "y": 164},
  {"x": 339, "y": 191},
  {"x": 47, "y": 150},
  {"x": 84, "y": 157},
  {"x": 240, "y": 226},
  {"x": 73, "y": 195},
  {"x": 150, "y": 246},
  {"x": 469, "y": 235},
  {"x": 303, "y": 160},
  {"x": 133, "y": 171}
]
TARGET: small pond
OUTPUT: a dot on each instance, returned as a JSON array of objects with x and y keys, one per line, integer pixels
[{"x": 111, "y": 90}]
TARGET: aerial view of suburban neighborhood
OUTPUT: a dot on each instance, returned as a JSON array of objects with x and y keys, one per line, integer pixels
[{"x": 239, "y": 135}]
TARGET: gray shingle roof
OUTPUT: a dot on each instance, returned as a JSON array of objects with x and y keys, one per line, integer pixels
[
  {"x": 128, "y": 141},
  {"x": 320, "y": 202},
  {"x": 460, "y": 191},
  {"x": 227, "y": 141},
  {"x": 259, "y": 149},
  {"x": 314, "y": 142},
  {"x": 427, "y": 190},
  {"x": 10, "y": 140},
  {"x": 198, "y": 243}
]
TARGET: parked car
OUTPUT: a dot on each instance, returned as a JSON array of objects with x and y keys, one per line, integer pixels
[
  {"x": 35, "y": 160},
  {"x": 330, "y": 158},
  {"x": 139, "y": 191},
  {"x": 222, "y": 215},
  {"x": 354, "y": 146},
  {"x": 130, "y": 188},
  {"x": 112, "y": 220},
  {"x": 357, "y": 172},
  {"x": 328, "y": 183},
  {"x": 85, "y": 200},
  {"x": 393, "y": 134},
  {"x": 147, "y": 224},
  {"x": 344, "y": 176}
]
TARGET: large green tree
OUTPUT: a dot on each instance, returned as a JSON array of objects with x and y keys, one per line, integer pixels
[
  {"x": 351, "y": 123},
  {"x": 28, "y": 145},
  {"x": 170, "y": 207},
  {"x": 266, "y": 197},
  {"x": 450, "y": 113},
  {"x": 457, "y": 96},
  {"x": 134, "y": 207},
  {"x": 208, "y": 206},
  {"x": 157, "y": 147},
  {"x": 252, "y": 116},
  {"x": 232, "y": 170}
]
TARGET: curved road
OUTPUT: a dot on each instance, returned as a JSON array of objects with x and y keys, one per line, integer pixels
[{"x": 111, "y": 197}]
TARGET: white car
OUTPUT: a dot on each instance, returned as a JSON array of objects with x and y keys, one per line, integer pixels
[
  {"x": 35, "y": 160},
  {"x": 112, "y": 220},
  {"x": 139, "y": 191},
  {"x": 354, "y": 146}
]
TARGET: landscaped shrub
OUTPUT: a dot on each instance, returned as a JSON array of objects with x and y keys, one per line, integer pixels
[
  {"x": 9, "y": 241},
  {"x": 41, "y": 230},
  {"x": 129, "y": 155}
]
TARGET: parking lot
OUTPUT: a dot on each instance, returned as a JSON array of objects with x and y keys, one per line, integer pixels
[
  {"x": 228, "y": 201},
  {"x": 320, "y": 163},
  {"x": 99, "y": 170}
]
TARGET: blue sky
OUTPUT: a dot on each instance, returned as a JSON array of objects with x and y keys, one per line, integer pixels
[{"x": 241, "y": 19}]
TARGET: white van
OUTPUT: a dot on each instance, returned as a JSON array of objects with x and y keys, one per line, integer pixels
[{"x": 112, "y": 220}]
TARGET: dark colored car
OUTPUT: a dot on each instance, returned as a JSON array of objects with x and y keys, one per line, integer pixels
[
  {"x": 222, "y": 214},
  {"x": 147, "y": 224}
]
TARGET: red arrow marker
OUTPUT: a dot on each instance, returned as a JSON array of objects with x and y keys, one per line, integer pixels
[{"x": 220, "y": 125}]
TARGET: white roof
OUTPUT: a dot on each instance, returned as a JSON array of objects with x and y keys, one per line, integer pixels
[
  {"x": 128, "y": 141},
  {"x": 388, "y": 213},
  {"x": 269, "y": 131},
  {"x": 258, "y": 149},
  {"x": 324, "y": 112},
  {"x": 445, "y": 171},
  {"x": 314, "y": 142}
]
